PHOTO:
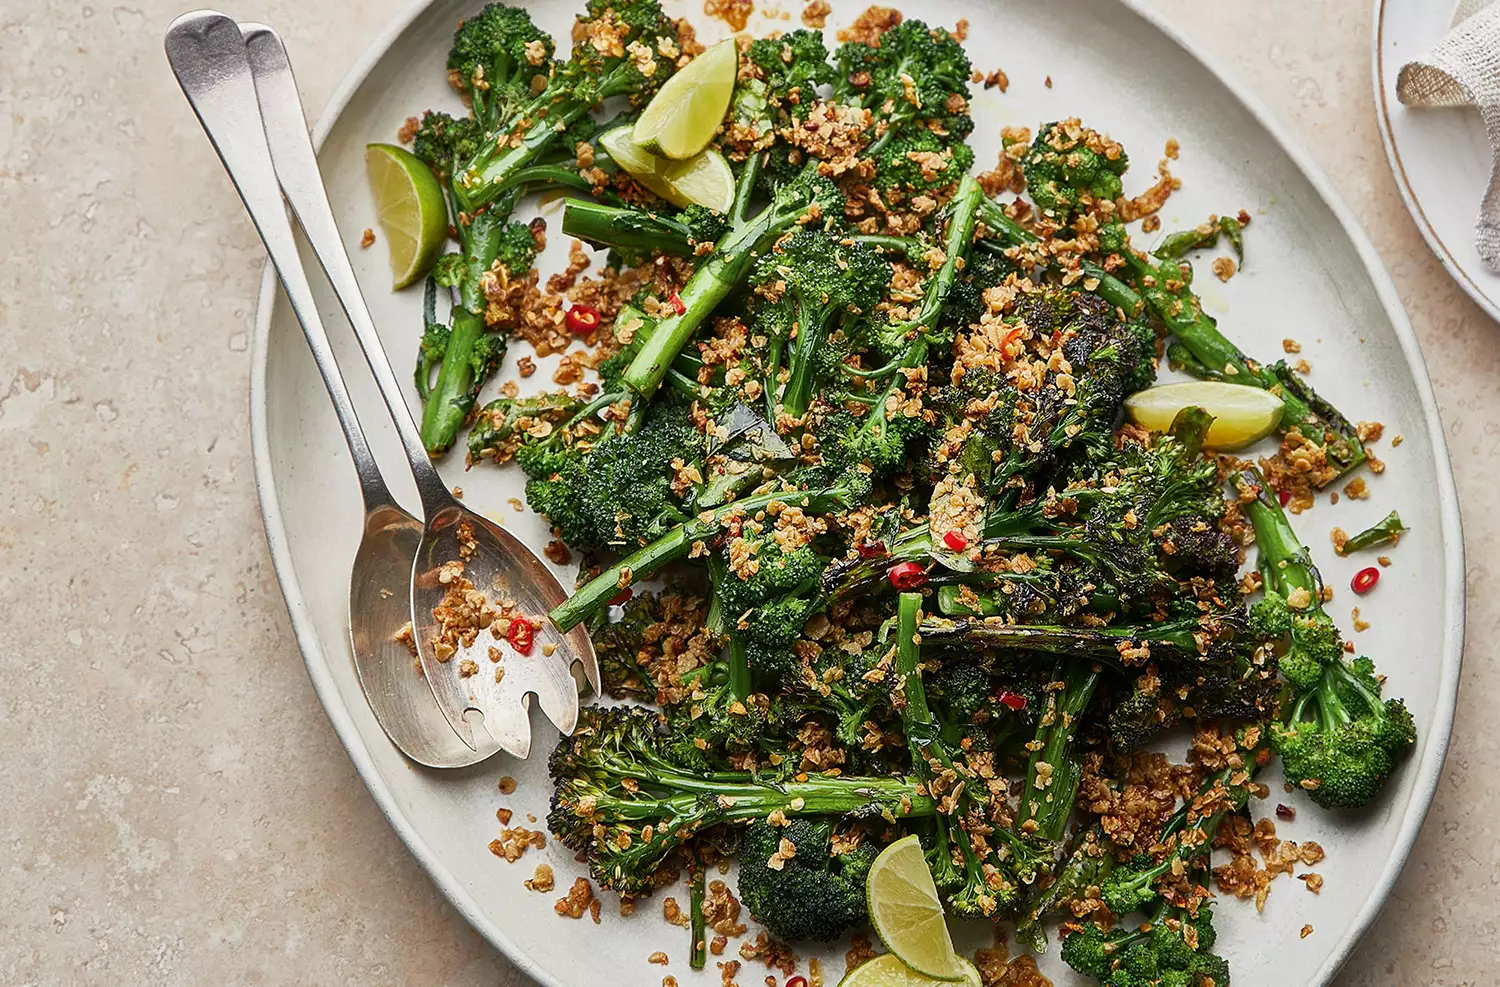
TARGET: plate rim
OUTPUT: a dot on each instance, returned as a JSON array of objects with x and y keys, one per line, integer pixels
[
  {"x": 318, "y": 661},
  {"x": 1445, "y": 256}
]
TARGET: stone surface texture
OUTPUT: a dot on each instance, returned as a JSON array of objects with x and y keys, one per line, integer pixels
[{"x": 177, "y": 809}]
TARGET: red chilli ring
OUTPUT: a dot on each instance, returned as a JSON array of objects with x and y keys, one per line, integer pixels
[
  {"x": 581, "y": 320},
  {"x": 906, "y": 575},
  {"x": 1364, "y": 580}
]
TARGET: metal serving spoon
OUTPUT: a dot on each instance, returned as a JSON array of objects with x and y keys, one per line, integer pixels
[{"x": 256, "y": 122}]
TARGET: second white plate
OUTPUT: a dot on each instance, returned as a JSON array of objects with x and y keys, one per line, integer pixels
[{"x": 1440, "y": 156}]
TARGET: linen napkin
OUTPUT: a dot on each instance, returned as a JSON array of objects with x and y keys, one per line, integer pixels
[{"x": 1463, "y": 69}]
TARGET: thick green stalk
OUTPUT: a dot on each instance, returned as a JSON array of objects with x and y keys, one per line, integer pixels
[
  {"x": 1386, "y": 532},
  {"x": 673, "y": 545},
  {"x": 1096, "y": 643},
  {"x": 625, "y": 228},
  {"x": 1285, "y": 563},
  {"x": 710, "y": 284},
  {"x": 1053, "y": 770},
  {"x": 698, "y": 950}
]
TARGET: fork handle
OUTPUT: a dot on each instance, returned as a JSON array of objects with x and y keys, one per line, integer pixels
[
  {"x": 296, "y": 164},
  {"x": 207, "y": 55}
]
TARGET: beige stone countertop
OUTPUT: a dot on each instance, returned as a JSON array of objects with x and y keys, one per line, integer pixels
[{"x": 176, "y": 808}]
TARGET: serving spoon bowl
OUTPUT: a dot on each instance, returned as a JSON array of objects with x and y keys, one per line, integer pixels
[{"x": 239, "y": 82}]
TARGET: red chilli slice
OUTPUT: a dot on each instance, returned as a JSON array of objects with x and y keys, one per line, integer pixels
[
  {"x": 1012, "y": 700},
  {"x": 621, "y": 597},
  {"x": 676, "y": 302},
  {"x": 956, "y": 540},
  {"x": 1285, "y": 496},
  {"x": 906, "y": 575},
  {"x": 1364, "y": 580},
  {"x": 581, "y": 320},
  {"x": 520, "y": 635}
]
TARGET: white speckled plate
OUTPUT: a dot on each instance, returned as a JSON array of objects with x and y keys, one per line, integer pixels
[
  {"x": 1439, "y": 156},
  {"x": 1309, "y": 274}
]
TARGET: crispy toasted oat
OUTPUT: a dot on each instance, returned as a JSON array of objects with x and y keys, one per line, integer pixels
[
  {"x": 815, "y": 14},
  {"x": 367, "y": 239},
  {"x": 578, "y": 900},
  {"x": 542, "y": 880},
  {"x": 735, "y": 13},
  {"x": 1223, "y": 268},
  {"x": 870, "y": 25}
]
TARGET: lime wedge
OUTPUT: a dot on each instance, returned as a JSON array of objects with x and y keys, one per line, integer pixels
[
  {"x": 704, "y": 179},
  {"x": 888, "y": 971},
  {"x": 409, "y": 206},
  {"x": 1242, "y": 414},
  {"x": 686, "y": 112},
  {"x": 906, "y": 912}
]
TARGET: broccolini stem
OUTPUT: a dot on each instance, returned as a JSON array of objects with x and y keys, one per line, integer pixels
[
  {"x": 1053, "y": 770},
  {"x": 1110, "y": 288},
  {"x": 630, "y": 229},
  {"x": 709, "y": 285},
  {"x": 698, "y": 951},
  {"x": 673, "y": 545},
  {"x": 452, "y": 396},
  {"x": 1096, "y": 643},
  {"x": 1386, "y": 532},
  {"x": 1285, "y": 564}
]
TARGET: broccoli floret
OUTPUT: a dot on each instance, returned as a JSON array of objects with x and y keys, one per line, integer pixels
[
  {"x": 1174, "y": 951},
  {"x": 619, "y": 493},
  {"x": 518, "y": 134},
  {"x": 816, "y": 895},
  {"x": 811, "y": 281},
  {"x": 1071, "y": 166},
  {"x": 496, "y": 55},
  {"x": 791, "y": 68},
  {"x": 1337, "y": 738},
  {"x": 629, "y": 805},
  {"x": 442, "y": 141},
  {"x": 915, "y": 77},
  {"x": 497, "y": 432},
  {"x": 921, "y": 161}
]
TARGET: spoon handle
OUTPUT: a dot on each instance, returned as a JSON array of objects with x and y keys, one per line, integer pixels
[
  {"x": 207, "y": 54},
  {"x": 296, "y": 165}
]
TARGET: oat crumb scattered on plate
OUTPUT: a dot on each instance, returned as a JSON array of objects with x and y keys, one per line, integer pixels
[
  {"x": 1047, "y": 82},
  {"x": 504, "y": 815},
  {"x": 816, "y": 13},
  {"x": 542, "y": 880},
  {"x": 1223, "y": 268},
  {"x": 1173, "y": 148},
  {"x": 367, "y": 239},
  {"x": 1340, "y": 538},
  {"x": 1384, "y": 560},
  {"x": 1290, "y": 346},
  {"x": 1359, "y": 625},
  {"x": 658, "y": 957},
  {"x": 507, "y": 785},
  {"x": 1313, "y": 881},
  {"x": 579, "y": 897},
  {"x": 1356, "y": 489},
  {"x": 1307, "y": 930},
  {"x": 1151, "y": 223}
]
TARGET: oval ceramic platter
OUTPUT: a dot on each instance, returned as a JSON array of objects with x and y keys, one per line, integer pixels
[
  {"x": 1439, "y": 156},
  {"x": 1309, "y": 274}
]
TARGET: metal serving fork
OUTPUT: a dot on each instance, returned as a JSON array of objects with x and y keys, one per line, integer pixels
[{"x": 241, "y": 86}]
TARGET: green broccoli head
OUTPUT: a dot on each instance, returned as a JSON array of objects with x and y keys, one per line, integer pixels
[
  {"x": 1071, "y": 166},
  {"x": 815, "y": 895},
  {"x": 792, "y": 67},
  {"x": 443, "y": 141},
  {"x": 1131, "y": 887},
  {"x": 495, "y": 56},
  {"x": 516, "y": 247},
  {"x": 1175, "y": 952},
  {"x": 914, "y": 75},
  {"x": 921, "y": 162},
  {"x": 621, "y": 48},
  {"x": 1341, "y": 741}
]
